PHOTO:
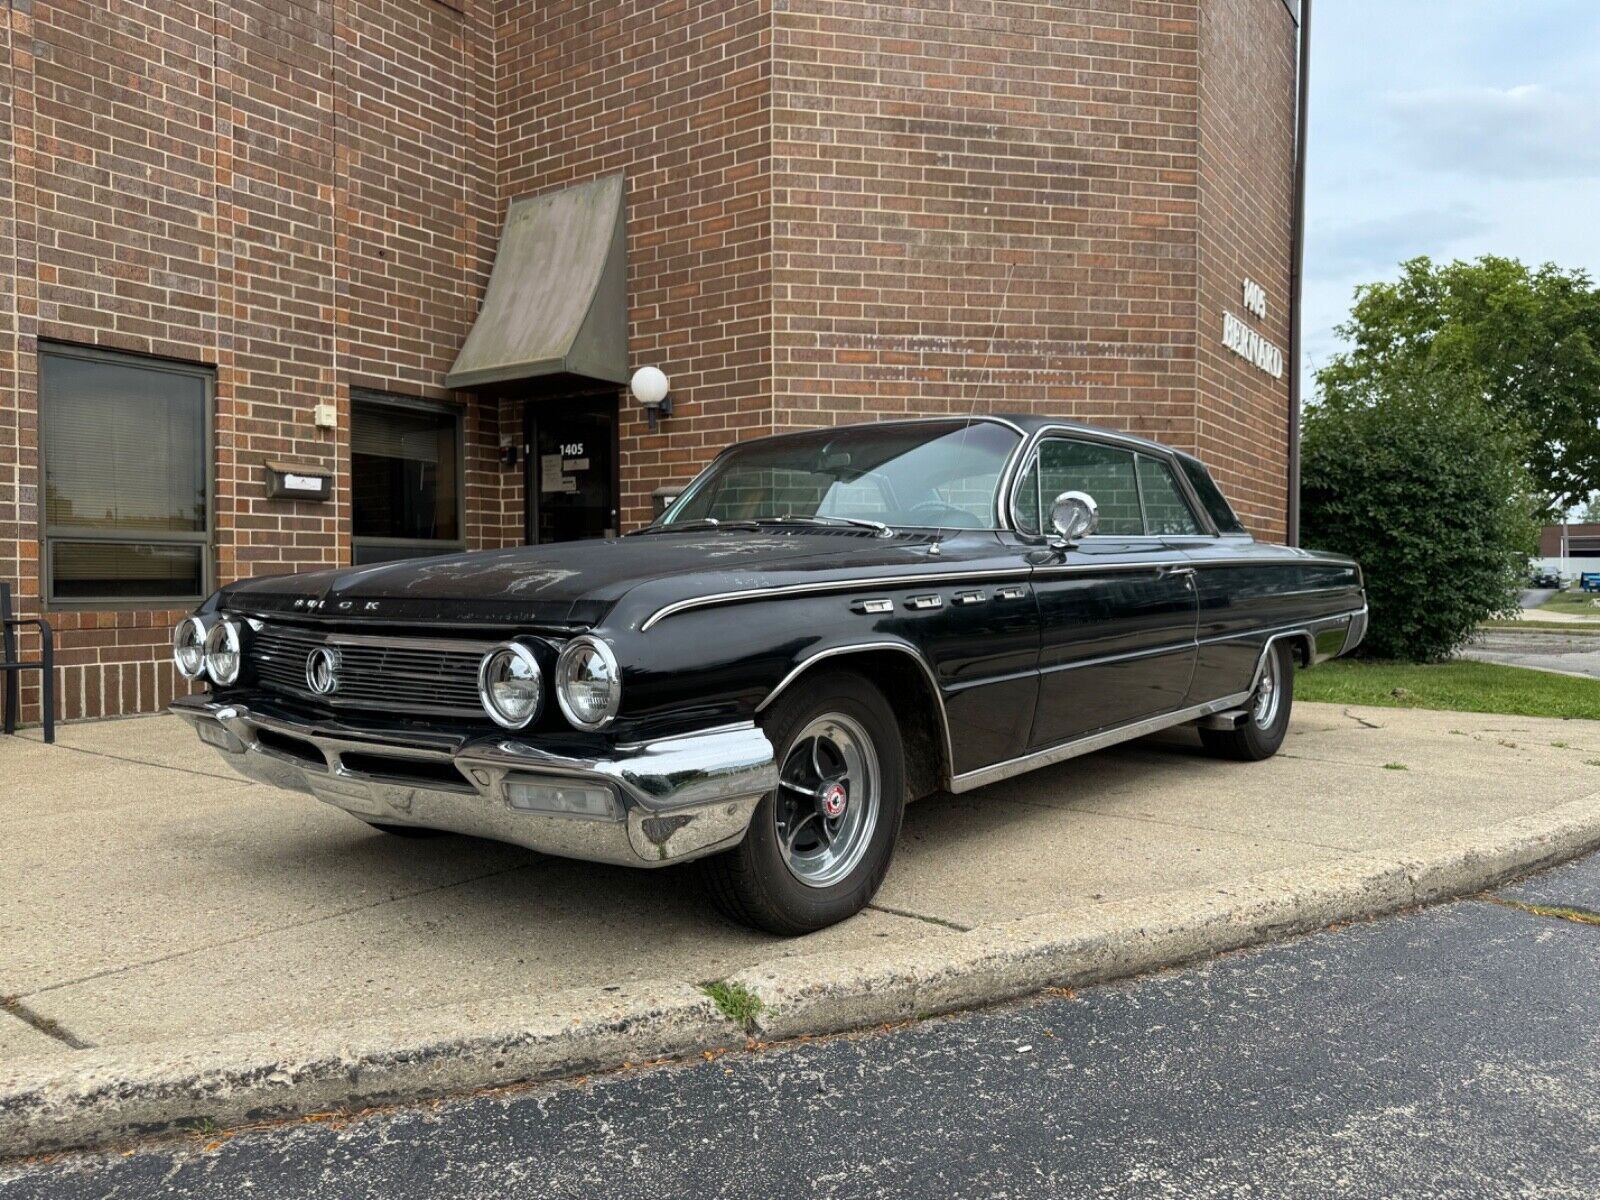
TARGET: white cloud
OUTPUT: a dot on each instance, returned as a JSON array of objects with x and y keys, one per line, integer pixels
[{"x": 1525, "y": 132}]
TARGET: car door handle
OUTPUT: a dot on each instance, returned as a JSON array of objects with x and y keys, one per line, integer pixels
[
  {"x": 1009, "y": 593},
  {"x": 1177, "y": 572}
]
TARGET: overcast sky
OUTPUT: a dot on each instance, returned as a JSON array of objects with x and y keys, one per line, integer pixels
[{"x": 1452, "y": 128}]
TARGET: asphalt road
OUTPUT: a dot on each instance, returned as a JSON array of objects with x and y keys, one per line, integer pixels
[
  {"x": 1543, "y": 650},
  {"x": 1453, "y": 1052}
]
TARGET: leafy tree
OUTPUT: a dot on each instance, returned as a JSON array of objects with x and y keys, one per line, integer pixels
[
  {"x": 1591, "y": 511},
  {"x": 1526, "y": 341},
  {"x": 1427, "y": 489}
]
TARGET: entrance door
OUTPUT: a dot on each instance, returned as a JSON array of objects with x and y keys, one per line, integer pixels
[{"x": 572, "y": 468}]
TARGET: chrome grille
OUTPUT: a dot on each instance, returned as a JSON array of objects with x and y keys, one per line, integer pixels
[{"x": 393, "y": 674}]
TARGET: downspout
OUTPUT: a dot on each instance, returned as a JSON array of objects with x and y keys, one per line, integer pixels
[{"x": 1297, "y": 254}]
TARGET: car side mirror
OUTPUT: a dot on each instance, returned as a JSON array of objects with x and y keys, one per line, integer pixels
[{"x": 1073, "y": 516}]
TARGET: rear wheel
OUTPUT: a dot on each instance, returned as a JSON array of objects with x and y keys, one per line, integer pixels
[
  {"x": 819, "y": 845},
  {"x": 1266, "y": 720}
]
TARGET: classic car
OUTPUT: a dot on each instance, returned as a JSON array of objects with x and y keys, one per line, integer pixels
[{"x": 823, "y": 626}]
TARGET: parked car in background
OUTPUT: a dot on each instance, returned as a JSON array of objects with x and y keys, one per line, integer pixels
[
  {"x": 822, "y": 627},
  {"x": 1539, "y": 577}
]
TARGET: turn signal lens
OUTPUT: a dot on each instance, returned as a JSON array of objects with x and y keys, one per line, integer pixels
[
  {"x": 588, "y": 683},
  {"x": 511, "y": 685},
  {"x": 576, "y": 799},
  {"x": 189, "y": 647},
  {"x": 224, "y": 654}
]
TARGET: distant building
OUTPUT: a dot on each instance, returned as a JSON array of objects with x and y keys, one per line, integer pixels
[{"x": 1569, "y": 549}]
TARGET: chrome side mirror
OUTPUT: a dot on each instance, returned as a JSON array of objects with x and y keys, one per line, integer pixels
[{"x": 1074, "y": 516}]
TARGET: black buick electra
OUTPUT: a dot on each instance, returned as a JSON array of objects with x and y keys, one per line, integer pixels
[{"x": 822, "y": 627}]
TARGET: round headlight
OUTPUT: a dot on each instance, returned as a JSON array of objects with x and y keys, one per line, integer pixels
[
  {"x": 189, "y": 647},
  {"x": 511, "y": 685},
  {"x": 588, "y": 684},
  {"x": 224, "y": 652}
]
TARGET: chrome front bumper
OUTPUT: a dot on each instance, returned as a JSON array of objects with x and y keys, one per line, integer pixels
[{"x": 672, "y": 799}]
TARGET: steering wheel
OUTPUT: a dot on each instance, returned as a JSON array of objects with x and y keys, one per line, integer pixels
[{"x": 942, "y": 515}]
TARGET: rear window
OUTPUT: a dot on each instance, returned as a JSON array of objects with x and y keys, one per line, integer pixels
[{"x": 1210, "y": 496}]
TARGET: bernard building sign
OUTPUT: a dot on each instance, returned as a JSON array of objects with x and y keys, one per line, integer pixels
[{"x": 1238, "y": 336}]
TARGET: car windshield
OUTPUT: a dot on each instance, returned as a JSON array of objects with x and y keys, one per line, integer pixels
[{"x": 933, "y": 474}]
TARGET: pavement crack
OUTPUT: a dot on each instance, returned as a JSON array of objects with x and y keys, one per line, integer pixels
[
  {"x": 1362, "y": 721},
  {"x": 51, "y": 1029},
  {"x": 916, "y": 916},
  {"x": 260, "y": 933},
  {"x": 1561, "y": 912}
]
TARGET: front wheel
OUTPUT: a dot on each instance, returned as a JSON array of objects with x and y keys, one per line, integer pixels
[
  {"x": 1266, "y": 720},
  {"x": 819, "y": 846}
]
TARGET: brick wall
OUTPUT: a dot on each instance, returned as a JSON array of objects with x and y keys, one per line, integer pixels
[
  {"x": 676, "y": 94},
  {"x": 988, "y": 204},
  {"x": 298, "y": 193},
  {"x": 836, "y": 209},
  {"x": 1247, "y": 80}
]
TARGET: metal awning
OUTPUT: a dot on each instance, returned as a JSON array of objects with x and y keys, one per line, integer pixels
[{"x": 557, "y": 300}]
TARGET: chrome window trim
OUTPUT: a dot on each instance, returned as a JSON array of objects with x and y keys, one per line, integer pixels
[{"x": 1010, "y": 482}]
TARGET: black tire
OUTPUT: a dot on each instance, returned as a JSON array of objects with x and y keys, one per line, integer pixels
[
  {"x": 1251, "y": 740},
  {"x": 408, "y": 831},
  {"x": 754, "y": 883}
]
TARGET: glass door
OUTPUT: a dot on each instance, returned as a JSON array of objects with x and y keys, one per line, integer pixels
[{"x": 572, "y": 469}]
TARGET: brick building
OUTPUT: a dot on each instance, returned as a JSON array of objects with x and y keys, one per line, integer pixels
[{"x": 243, "y": 245}]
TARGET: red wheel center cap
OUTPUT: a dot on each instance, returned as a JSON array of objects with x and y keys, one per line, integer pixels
[{"x": 834, "y": 798}]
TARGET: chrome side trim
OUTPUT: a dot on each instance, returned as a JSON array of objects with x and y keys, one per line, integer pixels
[
  {"x": 819, "y": 589},
  {"x": 968, "y": 780}
]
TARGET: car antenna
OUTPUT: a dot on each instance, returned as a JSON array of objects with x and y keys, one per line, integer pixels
[{"x": 988, "y": 371}]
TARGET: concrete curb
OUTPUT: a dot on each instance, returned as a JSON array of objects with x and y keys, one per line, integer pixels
[
  {"x": 108, "y": 1095},
  {"x": 113, "y": 1094}
]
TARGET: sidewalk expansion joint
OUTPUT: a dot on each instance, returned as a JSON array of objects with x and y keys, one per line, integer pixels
[
  {"x": 1561, "y": 912},
  {"x": 916, "y": 916},
  {"x": 44, "y": 1025},
  {"x": 144, "y": 762}
]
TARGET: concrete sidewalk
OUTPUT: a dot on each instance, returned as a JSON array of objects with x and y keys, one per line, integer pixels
[{"x": 155, "y": 900}]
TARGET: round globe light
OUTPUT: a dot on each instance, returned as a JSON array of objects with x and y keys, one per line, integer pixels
[{"x": 649, "y": 386}]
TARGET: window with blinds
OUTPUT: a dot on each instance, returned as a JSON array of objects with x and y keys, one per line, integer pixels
[
  {"x": 126, "y": 481},
  {"x": 405, "y": 478}
]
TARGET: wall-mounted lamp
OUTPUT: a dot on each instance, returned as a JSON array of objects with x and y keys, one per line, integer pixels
[
  {"x": 649, "y": 387},
  {"x": 508, "y": 450}
]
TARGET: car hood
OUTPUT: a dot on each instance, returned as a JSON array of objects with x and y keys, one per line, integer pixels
[{"x": 571, "y": 583}]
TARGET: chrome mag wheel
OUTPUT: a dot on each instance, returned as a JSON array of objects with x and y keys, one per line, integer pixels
[
  {"x": 829, "y": 794},
  {"x": 1269, "y": 693}
]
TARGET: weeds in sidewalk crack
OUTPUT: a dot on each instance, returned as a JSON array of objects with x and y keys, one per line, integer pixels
[
  {"x": 735, "y": 1001},
  {"x": 1561, "y": 912}
]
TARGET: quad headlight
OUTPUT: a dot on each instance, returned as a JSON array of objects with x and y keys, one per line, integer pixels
[
  {"x": 224, "y": 652},
  {"x": 189, "y": 647},
  {"x": 511, "y": 685},
  {"x": 588, "y": 683}
]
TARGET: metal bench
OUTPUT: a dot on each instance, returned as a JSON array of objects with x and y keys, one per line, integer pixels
[{"x": 13, "y": 665}]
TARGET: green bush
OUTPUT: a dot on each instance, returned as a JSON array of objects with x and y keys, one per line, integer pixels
[{"x": 1427, "y": 491}]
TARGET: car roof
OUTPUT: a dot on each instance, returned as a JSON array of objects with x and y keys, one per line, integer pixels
[{"x": 1024, "y": 423}]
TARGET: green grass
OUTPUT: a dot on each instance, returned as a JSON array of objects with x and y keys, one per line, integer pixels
[
  {"x": 735, "y": 1001},
  {"x": 1458, "y": 685}
]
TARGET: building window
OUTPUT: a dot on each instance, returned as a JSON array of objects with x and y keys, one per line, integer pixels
[
  {"x": 405, "y": 478},
  {"x": 127, "y": 493}
]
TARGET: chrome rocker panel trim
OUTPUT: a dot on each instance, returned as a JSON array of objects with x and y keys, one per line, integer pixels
[{"x": 674, "y": 798}]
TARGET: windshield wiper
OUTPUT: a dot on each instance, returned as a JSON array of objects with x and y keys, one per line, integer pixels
[
  {"x": 878, "y": 527},
  {"x": 697, "y": 523}
]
